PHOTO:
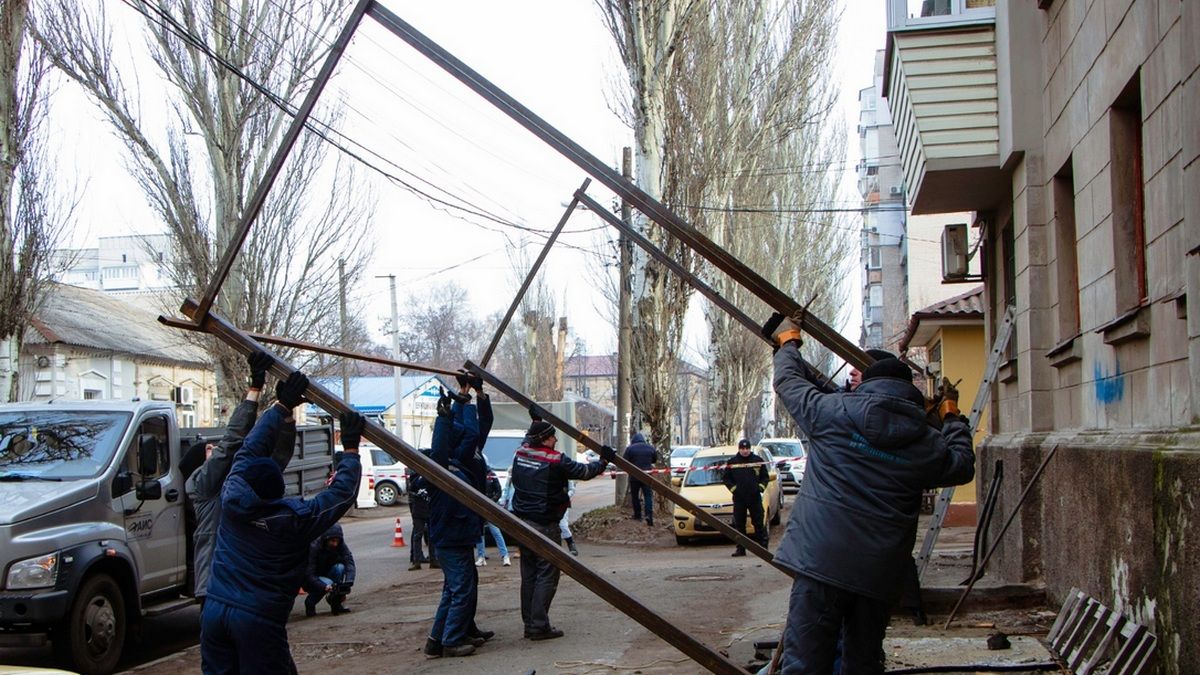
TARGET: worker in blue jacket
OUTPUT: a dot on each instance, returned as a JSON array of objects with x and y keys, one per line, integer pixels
[
  {"x": 850, "y": 537},
  {"x": 262, "y": 544},
  {"x": 459, "y": 433}
]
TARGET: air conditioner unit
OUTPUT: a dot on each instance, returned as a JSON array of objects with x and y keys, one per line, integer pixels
[
  {"x": 895, "y": 191},
  {"x": 955, "y": 260},
  {"x": 184, "y": 396}
]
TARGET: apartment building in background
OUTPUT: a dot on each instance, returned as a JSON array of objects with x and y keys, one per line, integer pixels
[{"x": 1069, "y": 129}]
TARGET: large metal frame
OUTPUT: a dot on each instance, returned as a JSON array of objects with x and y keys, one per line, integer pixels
[
  {"x": 655, "y": 210},
  {"x": 218, "y": 326},
  {"x": 203, "y": 318}
]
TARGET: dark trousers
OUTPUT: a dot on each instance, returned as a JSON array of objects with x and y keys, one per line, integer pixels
[
  {"x": 235, "y": 641},
  {"x": 460, "y": 596},
  {"x": 646, "y": 501},
  {"x": 754, "y": 507},
  {"x": 818, "y": 616},
  {"x": 420, "y": 530},
  {"x": 539, "y": 582}
]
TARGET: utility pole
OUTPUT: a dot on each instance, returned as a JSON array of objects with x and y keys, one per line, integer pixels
[
  {"x": 624, "y": 331},
  {"x": 345, "y": 339},
  {"x": 396, "y": 374}
]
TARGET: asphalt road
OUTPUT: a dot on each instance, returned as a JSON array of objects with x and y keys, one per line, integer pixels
[{"x": 369, "y": 533}]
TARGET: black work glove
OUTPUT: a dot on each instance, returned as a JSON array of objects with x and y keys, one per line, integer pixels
[
  {"x": 475, "y": 381},
  {"x": 535, "y": 413},
  {"x": 260, "y": 362},
  {"x": 444, "y": 403},
  {"x": 290, "y": 392},
  {"x": 352, "y": 428},
  {"x": 608, "y": 454},
  {"x": 768, "y": 329},
  {"x": 462, "y": 378}
]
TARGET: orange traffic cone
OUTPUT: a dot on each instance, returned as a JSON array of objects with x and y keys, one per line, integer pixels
[{"x": 398, "y": 538}]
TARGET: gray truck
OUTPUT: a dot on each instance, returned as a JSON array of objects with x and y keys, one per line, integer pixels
[{"x": 94, "y": 526}]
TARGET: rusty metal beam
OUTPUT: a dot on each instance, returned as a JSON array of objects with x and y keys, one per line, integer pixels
[
  {"x": 313, "y": 347},
  {"x": 654, "y": 209},
  {"x": 634, "y": 472},
  {"x": 537, "y": 264},
  {"x": 475, "y": 500},
  {"x": 281, "y": 154}
]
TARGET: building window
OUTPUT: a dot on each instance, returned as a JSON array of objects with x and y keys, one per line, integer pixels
[
  {"x": 875, "y": 293},
  {"x": 1066, "y": 259},
  {"x": 874, "y": 261},
  {"x": 92, "y": 394},
  {"x": 1009, "y": 243},
  {"x": 123, "y": 258},
  {"x": 1128, "y": 197}
]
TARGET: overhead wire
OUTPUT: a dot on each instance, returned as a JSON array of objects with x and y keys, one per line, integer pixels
[{"x": 170, "y": 23}]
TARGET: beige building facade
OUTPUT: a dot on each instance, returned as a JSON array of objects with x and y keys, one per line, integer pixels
[{"x": 1070, "y": 129}]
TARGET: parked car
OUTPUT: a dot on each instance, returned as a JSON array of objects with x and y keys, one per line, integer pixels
[
  {"x": 501, "y": 447},
  {"x": 791, "y": 458},
  {"x": 703, "y": 486},
  {"x": 681, "y": 458},
  {"x": 387, "y": 477}
]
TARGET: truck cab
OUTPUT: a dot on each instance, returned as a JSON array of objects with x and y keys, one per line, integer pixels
[{"x": 93, "y": 534}]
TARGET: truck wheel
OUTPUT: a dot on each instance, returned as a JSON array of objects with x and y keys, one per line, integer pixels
[
  {"x": 92, "y": 635},
  {"x": 386, "y": 494}
]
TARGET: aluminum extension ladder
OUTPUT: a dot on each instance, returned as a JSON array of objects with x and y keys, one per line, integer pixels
[{"x": 981, "y": 400}]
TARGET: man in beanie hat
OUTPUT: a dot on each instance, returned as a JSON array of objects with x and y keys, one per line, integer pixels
[
  {"x": 539, "y": 479},
  {"x": 204, "y": 485},
  {"x": 852, "y": 529},
  {"x": 262, "y": 544},
  {"x": 746, "y": 477}
]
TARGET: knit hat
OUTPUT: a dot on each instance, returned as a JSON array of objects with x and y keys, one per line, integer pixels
[
  {"x": 887, "y": 365},
  {"x": 743, "y": 443},
  {"x": 879, "y": 354},
  {"x": 264, "y": 477},
  {"x": 539, "y": 431}
]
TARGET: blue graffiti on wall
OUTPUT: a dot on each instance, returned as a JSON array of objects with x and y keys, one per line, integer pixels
[{"x": 1110, "y": 387}]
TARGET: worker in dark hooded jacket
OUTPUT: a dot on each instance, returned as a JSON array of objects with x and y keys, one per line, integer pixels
[
  {"x": 330, "y": 572},
  {"x": 539, "y": 478},
  {"x": 643, "y": 456},
  {"x": 262, "y": 544},
  {"x": 747, "y": 478},
  {"x": 853, "y": 525},
  {"x": 203, "y": 486},
  {"x": 454, "y": 529}
]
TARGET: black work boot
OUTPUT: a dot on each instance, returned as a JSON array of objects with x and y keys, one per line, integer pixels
[
  {"x": 432, "y": 647},
  {"x": 738, "y": 552},
  {"x": 570, "y": 541}
]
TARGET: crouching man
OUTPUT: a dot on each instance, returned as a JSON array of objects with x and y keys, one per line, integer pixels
[
  {"x": 262, "y": 545},
  {"x": 330, "y": 572}
]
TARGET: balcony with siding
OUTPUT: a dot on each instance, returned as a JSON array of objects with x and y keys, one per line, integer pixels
[{"x": 941, "y": 86}]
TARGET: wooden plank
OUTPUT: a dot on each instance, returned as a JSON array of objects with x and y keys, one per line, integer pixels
[
  {"x": 948, "y": 122},
  {"x": 986, "y": 150},
  {"x": 938, "y": 108},
  {"x": 947, "y": 66},
  {"x": 1095, "y": 630},
  {"x": 1074, "y": 597},
  {"x": 479, "y": 503},
  {"x": 1115, "y": 624},
  {"x": 979, "y": 93},
  {"x": 943, "y": 39},
  {"x": 981, "y": 51},
  {"x": 985, "y": 78}
]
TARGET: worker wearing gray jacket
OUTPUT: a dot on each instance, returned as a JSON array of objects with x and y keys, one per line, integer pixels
[
  {"x": 871, "y": 454},
  {"x": 204, "y": 485}
]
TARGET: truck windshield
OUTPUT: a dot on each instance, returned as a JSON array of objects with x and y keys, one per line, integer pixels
[
  {"x": 499, "y": 451},
  {"x": 58, "y": 445}
]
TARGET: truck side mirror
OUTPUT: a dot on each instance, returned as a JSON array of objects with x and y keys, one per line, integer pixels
[
  {"x": 149, "y": 489},
  {"x": 122, "y": 483},
  {"x": 148, "y": 455}
]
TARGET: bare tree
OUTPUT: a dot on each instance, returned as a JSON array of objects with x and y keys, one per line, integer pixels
[
  {"x": 31, "y": 221},
  {"x": 439, "y": 329},
  {"x": 533, "y": 348},
  {"x": 649, "y": 35},
  {"x": 198, "y": 173},
  {"x": 754, "y": 99}
]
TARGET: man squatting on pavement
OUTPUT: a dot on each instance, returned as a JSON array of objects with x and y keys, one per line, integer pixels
[
  {"x": 204, "y": 485},
  {"x": 852, "y": 528},
  {"x": 262, "y": 544}
]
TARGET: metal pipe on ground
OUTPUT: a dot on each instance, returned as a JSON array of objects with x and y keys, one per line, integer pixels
[
  {"x": 634, "y": 472},
  {"x": 218, "y": 326}
]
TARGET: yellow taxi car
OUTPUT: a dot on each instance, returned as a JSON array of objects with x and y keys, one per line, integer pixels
[{"x": 703, "y": 487}]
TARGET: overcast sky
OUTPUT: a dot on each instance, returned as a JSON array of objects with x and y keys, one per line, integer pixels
[{"x": 552, "y": 55}]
